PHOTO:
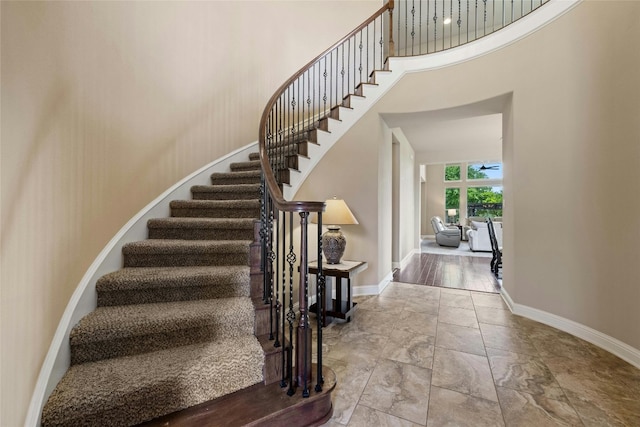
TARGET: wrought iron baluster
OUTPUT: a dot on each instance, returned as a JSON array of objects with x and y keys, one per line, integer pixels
[
  {"x": 459, "y": 21},
  {"x": 272, "y": 257},
  {"x": 291, "y": 315},
  {"x": 435, "y": 25},
  {"x": 320, "y": 300},
  {"x": 275, "y": 280},
  {"x": 484, "y": 29},
  {"x": 413, "y": 26}
]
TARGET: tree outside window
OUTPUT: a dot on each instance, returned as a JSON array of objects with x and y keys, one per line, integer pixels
[{"x": 452, "y": 201}]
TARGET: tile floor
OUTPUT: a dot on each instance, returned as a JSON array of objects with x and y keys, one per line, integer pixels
[{"x": 425, "y": 356}]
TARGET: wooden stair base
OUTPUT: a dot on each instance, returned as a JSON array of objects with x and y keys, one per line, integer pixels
[{"x": 258, "y": 405}]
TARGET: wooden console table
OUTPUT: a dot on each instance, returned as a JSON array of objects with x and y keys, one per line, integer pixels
[{"x": 336, "y": 307}]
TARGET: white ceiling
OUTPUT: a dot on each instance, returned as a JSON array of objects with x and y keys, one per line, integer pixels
[{"x": 432, "y": 132}]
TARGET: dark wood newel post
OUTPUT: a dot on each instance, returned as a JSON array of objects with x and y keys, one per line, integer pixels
[
  {"x": 391, "y": 43},
  {"x": 303, "y": 347}
]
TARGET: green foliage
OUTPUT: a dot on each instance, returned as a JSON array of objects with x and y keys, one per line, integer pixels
[
  {"x": 452, "y": 198},
  {"x": 476, "y": 195},
  {"x": 452, "y": 173},
  {"x": 473, "y": 173}
]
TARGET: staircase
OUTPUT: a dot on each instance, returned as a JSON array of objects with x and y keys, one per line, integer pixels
[
  {"x": 177, "y": 326},
  {"x": 181, "y": 334}
]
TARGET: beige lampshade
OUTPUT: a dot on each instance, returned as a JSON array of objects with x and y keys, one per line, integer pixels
[
  {"x": 336, "y": 213},
  {"x": 451, "y": 212}
]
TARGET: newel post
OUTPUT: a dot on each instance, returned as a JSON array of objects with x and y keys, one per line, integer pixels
[{"x": 303, "y": 347}]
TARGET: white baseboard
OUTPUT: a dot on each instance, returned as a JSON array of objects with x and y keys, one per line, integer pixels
[
  {"x": 610, "y": 344},
  {"x": 373, "y": 289},
  {"x": 402, "y": 264}
]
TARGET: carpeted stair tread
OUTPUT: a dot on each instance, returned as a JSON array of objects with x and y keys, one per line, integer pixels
[
  {"x": 216, "y": 208},
  {"x": 144, "y": 285},
  {"x": 183, "y": 253},
  {"x": 130, "y": 390},
  {"x": 106, "y": 323},
  {"x": 238, "y": 177},
  {"x": 243, "y": 166},
  {"x": 226, "y": 192},
  {"x": 195, "y": 228}
]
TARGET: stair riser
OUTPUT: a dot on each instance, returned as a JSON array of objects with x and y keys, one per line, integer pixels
[
  {"x": 216, "y": 213},
  {"x": 218, "y": 195},
  {"x": 273, "y": 365},
  {"x": 129, "y": 346},
  {"x": 215, "y": 180},
  {"x": 185, "y": 260},
  {"x": 201, "y": 234},
  {"x": 170, "y": 294},
  {"x": 241, "y": 167}
]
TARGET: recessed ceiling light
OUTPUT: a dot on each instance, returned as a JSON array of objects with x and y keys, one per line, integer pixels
[{"x": 447, "y": 21}]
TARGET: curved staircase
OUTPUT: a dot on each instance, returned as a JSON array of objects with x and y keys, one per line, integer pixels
[{"x": 177, "y": 325}]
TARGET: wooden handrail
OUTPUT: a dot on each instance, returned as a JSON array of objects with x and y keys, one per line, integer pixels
[{"x": 270, "y": 180}]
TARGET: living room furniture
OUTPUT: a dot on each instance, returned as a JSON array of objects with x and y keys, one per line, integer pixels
[
  {"x": 445, "y": 236},
  {"x": 336, "y": 307},
  {"x": 496, "y": 261},
  {"x": 478, "y": 235},
  {"x": 336, "y": 213}
]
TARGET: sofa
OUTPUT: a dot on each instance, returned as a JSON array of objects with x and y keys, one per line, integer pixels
[
  {"x": 445, "y": 236},
  {"x": 478, "y": 235}
]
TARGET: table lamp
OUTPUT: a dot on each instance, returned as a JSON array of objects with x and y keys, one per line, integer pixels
[
  {"x": 452, "y": 214},
  {"x": 336, "y": 213}
]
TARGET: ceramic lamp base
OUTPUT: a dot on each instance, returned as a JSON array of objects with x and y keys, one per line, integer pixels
[{"x": 333, "y": 244}]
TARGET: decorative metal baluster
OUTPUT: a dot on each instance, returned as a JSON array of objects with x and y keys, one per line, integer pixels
[
  {"x": 476, "y": 22},
  {"x": 459, "y": 22},
  {"x": 435, "y": 25},
  {"x": 511, "y": 10},
  {"x": 320, "y": 300},
  {"x": 272, "y": 257},
  {"x": 368, "y": 53},
  {"x": 291, "y": 315},
  {"x": 443, "y": 28},
  {"x": 278, "y": 236},
  {"x": 360, "y": 46},
  {"x": 420, "y": 26},
  {"x": 263, "y": 236},
  {"x": 484, "y": 29},
  {"x": 286, "y": 348},
  {"x": 381, "y": 43},
  {"x": 450, "y": 25},
  {"x": 324, "y": 92},
  {"x": 342, "y": 73},
  {"x": 427, "y": 21},
  {"x": 413, "y": 26}
]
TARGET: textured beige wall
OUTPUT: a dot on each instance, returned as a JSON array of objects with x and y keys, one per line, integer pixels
[
  {"x": 104, "y": 106},
  {"x": 571, "y": 154}
]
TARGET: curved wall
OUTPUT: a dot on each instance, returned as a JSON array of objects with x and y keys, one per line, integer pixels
[
  {"x": 570, "y": 100},
  {"x": 104, "y": 106}
]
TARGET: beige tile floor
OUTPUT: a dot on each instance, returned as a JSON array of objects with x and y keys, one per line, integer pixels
[{"x": 424, "y": 356}]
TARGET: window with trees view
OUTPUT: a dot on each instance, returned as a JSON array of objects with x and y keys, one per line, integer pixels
[
  {"x": 484, "y": 201},
  {"x": 452, "y": 201},
  {"x": 452, "y": 172},
  {"x": 476, "y": 188}
]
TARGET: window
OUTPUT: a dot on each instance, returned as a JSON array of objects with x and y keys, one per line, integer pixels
[
  {"x": 452, "y": 173},
  {"x": 484, "y": 201},
  {"x": 484, "y": 171},
  {"x": 452, "y": 201}
]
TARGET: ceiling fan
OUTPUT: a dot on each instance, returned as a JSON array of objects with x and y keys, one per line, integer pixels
[{"x": 484, "y": 168}]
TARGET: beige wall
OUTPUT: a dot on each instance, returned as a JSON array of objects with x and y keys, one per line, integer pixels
[
  {"x": 104, "y": 106},
  {"x": 570, "y": 100}
]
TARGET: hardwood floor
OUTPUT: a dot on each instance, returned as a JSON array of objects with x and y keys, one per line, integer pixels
[{"x": 449, "y": 271}]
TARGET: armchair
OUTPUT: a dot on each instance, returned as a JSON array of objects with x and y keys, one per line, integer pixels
[{"x": 445, "y": 236}]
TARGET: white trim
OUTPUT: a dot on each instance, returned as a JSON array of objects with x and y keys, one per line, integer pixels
[
  {"x": 84, "y": 300},
  {"x": 373, "y": 289},
  {"x": 606, "y": 342},
  {"x": 402, "y": 264}
]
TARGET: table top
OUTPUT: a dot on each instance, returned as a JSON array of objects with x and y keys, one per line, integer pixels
[{"x": 345, "y": 267}]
